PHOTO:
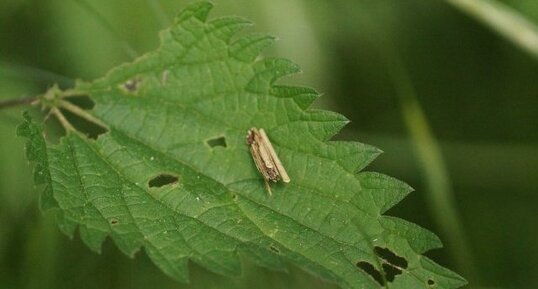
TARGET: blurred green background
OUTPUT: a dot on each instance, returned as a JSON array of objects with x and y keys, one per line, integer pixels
[{"x": 453, "y": 104}]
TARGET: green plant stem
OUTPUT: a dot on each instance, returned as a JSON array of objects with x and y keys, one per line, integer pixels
[
  {"x": 504, "y": 20},
  {"x": 17, "y": 102}
]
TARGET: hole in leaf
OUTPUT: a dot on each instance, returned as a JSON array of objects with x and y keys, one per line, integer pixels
[
  {"x": 162, "y": 180},
  {"x": 390, "y": 272},
  {"x": 390, "y": 257},
  {"x": 83, "y": 101},
  {"x": 274, "y": 249},
  {"x": 371, "y": 270},
  {"x": 114, "y": 221},
  {"x": 53, "y": 131},
  {"x": 216, "y": 142},
  {"x": 90, "y": 129},
  {"x": 234, "y": 196},
  {"x": 431, "y": 283}
]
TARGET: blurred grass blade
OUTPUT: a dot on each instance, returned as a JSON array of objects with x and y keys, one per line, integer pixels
[
  {"x": 158, "y": 12},
  {"x": 504, "y": 20},
  {"x": 33, "y": 73},
  {"x": 440, "y": 195},
  {"x": 127, "y": 48}
]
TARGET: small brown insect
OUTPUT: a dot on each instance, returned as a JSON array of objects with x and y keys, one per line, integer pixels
[{"x": 265, "y": 157}]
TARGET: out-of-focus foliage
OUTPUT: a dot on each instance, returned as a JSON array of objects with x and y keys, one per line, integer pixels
[{"x": 479, "y": 93}]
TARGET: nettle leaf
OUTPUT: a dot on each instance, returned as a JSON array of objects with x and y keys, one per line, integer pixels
[{"x": 174, "y": 176}]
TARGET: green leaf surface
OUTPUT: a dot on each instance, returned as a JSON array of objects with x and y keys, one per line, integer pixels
[{"x": 165, "y": 109}]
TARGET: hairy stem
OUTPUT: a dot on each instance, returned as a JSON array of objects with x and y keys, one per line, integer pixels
[{"x": 17, "y": 101}]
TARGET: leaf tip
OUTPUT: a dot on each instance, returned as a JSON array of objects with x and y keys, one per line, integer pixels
[
  {"x": 227, "y": 27},
  {"x": 249, "y": 47},
  {"x": 199, "y": 10}
]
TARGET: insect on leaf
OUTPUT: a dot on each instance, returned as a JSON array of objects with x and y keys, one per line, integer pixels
[
  {"x": 265, "y": 158},
  {"x": 152, "y": 181}
]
